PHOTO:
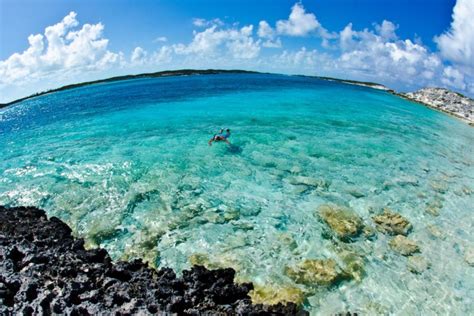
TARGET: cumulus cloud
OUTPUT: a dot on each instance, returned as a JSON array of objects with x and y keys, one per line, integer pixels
[
  {"x": 161, "y": 39},
  {"x": 300, "y": 57},
  {"x": 380, "y": 54},
  {"x": 457, "y": 44},
  {"x": 163, "y": 55},
  {"x": 199, "y": 22},
  {"x": 301, "y": 23},
  {"x": 211, "y": 47},
  {"x": 62, "y": 49},
  {"x": 243, "y": 45},
  {"x": 300, "y": 61},
  {"x": 276, "y": 43},
  {"x": 138, "y": 55},
  {"x": 387, "y": 30},
  {"x": 346, "y": 37},
  {"x": 213, "y": 41},
  {"x": 141, "y": 57},
  {"x": 265, "y": 30},
  {"x": 454, "y": 78}
]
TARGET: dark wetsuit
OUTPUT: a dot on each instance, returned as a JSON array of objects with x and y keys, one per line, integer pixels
[{"x": 221, "y": 135}]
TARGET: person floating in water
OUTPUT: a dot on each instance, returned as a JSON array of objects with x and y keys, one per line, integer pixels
[{"x": 221, "y": 137}]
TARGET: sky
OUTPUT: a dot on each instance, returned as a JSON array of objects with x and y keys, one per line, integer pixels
[{"x": 404, "y": 44}]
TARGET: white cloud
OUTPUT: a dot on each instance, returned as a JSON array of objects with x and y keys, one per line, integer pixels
[
  {"x": 213, "y": 41},
  {"x": 199, "y": 22},
  {"x": 454, "y": 78},
  {"x": 161, "y": 39},
  {"x": 272, "y": 43},
  {"x": 62, "y": 50},
  {"x": 346, "y": 36},
  {"x": 265, "y": 30},
  {"x": 457, "y": 47},
  {"x": 299, "y": 22},
  {"x": 206, "y": 23},
  {"x": 243, "y": 45},
  {"x": 161, "y": 56},
  {"x": 382, "y": 56},
  {"x": 138, "y": 55},
  {"x": 457, "y": 44},
  {"x": 387, "y": 30},
  {"x": 300, "y": 57},
  {"x": 300, "y": 61}
]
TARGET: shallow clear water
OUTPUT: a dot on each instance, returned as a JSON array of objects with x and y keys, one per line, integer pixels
[{"x": 128, "y": 167}]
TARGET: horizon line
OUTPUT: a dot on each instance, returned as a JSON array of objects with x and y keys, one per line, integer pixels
[{"x": 184, "y": 72}]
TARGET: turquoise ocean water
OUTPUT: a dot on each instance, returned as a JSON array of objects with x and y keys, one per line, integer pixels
[{"x": 128, "y": 167}]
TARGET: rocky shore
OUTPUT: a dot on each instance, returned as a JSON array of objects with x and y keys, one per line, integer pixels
[
  {"x": 446, "y": 101},
  {"x": 45, "y": 270},
  {"x": 440, "y": 99}
]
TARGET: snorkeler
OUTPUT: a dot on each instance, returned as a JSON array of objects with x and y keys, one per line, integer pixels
[{"x": 220, "y": 137}]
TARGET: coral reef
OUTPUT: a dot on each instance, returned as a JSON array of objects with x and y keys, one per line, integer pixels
[{"x": 392, "y": 223}]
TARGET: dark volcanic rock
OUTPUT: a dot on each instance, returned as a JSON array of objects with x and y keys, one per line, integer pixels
[{"x": 44, "y": 270}]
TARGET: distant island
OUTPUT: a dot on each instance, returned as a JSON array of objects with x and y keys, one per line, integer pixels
[
  {"x": 166, "y": 73},
  {"x": 441, "y": 99}
]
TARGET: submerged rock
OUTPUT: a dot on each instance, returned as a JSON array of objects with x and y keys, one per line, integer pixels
[
  {"x": 309, "y": 182},
  {"x": 392, "y": 223},
  {"x": 469, "y": 256},
  {"x": 323, "y": 272},
  {"x": 417, "y": 264},
  {"x": 466, "y": 190},
  {"x": 300, "y": 189},
  {"x": 44, "y": 270},
  {"x": 144, "y": 245},
  {"x": 402, "y": 181},
  {"x": 215, "y": 218},
  {"x": 436, "y": 232},
  {"x": 404, "y": 246},
  {"x": 353, "y": 265},
  {"x": 243, "y": 225},
  {"x": 201, "y": 259},
  {"x": 440, "y": 187},
  {"x": 345, "y": 223},
  {"x": 355, "y": 193},
  {"x": 295, "y": 169},
  {"x": 272, "y": 295},
  {"x": 231, "y": 214},
  {"x": 369, "y": 232},
  {"x": 433, "y": 207},
  {"x": 287, "y": 240},
  {"x": 376, "y": 308}
]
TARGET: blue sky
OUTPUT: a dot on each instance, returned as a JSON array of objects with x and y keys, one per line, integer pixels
[
  {"x": 404, "y": 44},
  {"x": 129, "y": 23}
]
